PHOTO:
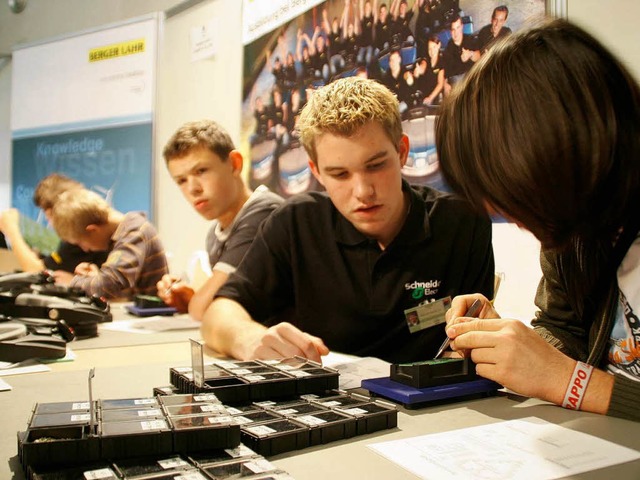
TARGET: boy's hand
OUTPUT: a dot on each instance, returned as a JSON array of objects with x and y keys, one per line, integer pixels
[{"x": 174, "y": 292}]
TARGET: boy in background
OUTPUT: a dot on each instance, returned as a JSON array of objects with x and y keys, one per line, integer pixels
[
  {"x": 66, "y": 256},
  {"x": 202, "y": 160},
  {"x": 136, "y": 260}
]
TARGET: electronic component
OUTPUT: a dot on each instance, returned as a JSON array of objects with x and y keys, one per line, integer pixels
[{"x": 432, "y": 373}]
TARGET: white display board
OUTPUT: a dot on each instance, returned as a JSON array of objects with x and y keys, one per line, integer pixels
[{"x": 99, "y": 76}]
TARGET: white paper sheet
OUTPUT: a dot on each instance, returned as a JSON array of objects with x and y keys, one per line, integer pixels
[
  {"x": 4, "y": 386},
  {"x": 157, "y": 323},
  {"x": 355, "y": 369},
  {"x": 20, "y": 368},
  {"x": 529, "y": 448}
]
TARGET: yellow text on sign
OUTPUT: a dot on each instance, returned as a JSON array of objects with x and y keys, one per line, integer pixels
[{"x": 117, "y": 50}]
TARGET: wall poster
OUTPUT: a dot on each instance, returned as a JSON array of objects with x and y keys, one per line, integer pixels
[{"x": 417, "y": 48}]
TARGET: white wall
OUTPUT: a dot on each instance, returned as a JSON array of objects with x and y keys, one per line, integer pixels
[
  {"x": 5, "y": 135},
  {"x": 614, "y": 23}
]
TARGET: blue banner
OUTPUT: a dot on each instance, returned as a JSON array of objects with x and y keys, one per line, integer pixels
[{"x": 115, "y": 162}]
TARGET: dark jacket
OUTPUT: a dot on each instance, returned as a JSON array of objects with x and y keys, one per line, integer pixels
[{"x": 560, "y": 322}]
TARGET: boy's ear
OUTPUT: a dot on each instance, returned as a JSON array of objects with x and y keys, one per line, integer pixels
[
  {"x": 91, "y": 228},
  {"x": 315, "y": 171},
  {"x": 235, "y": 157}
]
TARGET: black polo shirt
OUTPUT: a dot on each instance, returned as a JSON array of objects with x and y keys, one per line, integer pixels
[
  {"x": 310, "y": 266},
  {"x": 452, "y": 63}
]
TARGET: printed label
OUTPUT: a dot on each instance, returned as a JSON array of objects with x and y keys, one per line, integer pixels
[
  {"x": 240, "y": 420},
  {"x": 285, "y": 367},
  {"x": 288, "y": 411},
  {"x": 169, "y": 463},
  {"x": 212, "y": 408},
  {"x": 149, "y": 413},
  {"x": 85, "y": 417},
  {"x": 100, "y": 473},
  {"x": 209, "y": 397},
  {"x": 260, "y": 430},
  {"x": 311, "y": 420},
  {"x": 220, "y": 419},
  {"x": 355, "y": 411},
  {"x": 241, "y": 371},
  {"x": 153, "y": 425}
]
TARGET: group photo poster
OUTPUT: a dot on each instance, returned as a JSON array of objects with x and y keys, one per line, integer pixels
[{"x": 419, "y": 49}]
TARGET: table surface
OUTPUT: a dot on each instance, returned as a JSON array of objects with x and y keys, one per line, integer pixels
[{"x": 134, "y": 370}]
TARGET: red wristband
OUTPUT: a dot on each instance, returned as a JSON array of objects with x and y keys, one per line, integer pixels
[{"x": 577, "y": 386}]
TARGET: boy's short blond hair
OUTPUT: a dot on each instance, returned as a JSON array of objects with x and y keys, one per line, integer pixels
[
  {"x": 46, "y": 192},
  {"x": 75, "y": 210},
  {"x": 343, "y": 107}
]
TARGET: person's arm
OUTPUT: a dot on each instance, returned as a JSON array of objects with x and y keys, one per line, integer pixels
[
  {"x": 357, "y": 27},
  {"x": 203, "y": 297},
  {"x": 312, "y": 42},
  {"x": 517, "y": 357},
  {"x": 10, "y": 225},
  {"x": 118, "y": 275},
  {"x": 230, "y": 330},
  {"x": 513, "y": 355},
  {"x": 260, "y": 290},
  {"x": 326, "y": 26},
  {"x": 299, "y": 46},
  {"x": 394, "y": 9},
  {"x": 267, "y": 59},
  {"x": 469, "y": 51},
  {"x": 344, "y": 19}
]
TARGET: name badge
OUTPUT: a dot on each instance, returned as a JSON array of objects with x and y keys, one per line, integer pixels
[{"x": 427, "y": 315}]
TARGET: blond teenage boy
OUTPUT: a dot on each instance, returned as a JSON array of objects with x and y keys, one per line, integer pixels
[
  {"x": 136, "y": 260},
  {"x": 337, "y": 270}
]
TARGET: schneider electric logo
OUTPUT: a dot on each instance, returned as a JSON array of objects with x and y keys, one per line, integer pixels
[{"x": 423, "y": 289}]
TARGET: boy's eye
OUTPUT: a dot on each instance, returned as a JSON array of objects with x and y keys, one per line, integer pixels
[{"x": 374, "y": 166}]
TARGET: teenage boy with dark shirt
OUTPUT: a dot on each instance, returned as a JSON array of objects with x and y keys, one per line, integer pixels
[
  {"x": 342, "y": 267},
  {"x": 204, "y": 163}
]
